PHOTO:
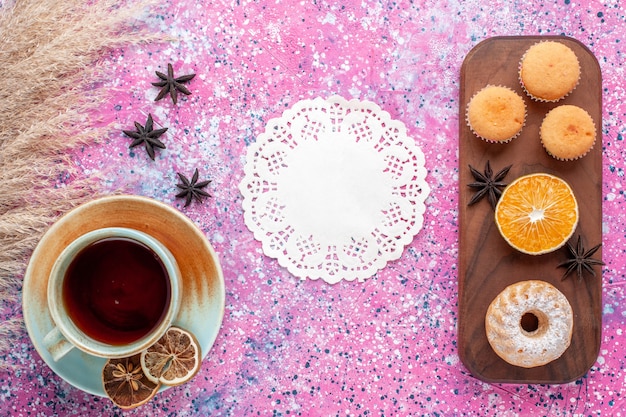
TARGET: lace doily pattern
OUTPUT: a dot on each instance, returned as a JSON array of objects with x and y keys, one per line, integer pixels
[{"x": 334, "y": 189}]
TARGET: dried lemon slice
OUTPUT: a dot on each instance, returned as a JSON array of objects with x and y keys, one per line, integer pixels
[
  {"x": 126, "y": 384},
  {"x": 174, "y": 359},
  {"x": 537, "y": 213}
]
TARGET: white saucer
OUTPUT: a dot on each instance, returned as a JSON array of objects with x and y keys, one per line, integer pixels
[{"x": 203, "y": 291}]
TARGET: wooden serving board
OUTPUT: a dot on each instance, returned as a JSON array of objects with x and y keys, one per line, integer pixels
[{"x": 487, "y": 264}]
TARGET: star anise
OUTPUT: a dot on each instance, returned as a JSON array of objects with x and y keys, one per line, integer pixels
[
  {"x": 193, "y": 189},
  {"x": 146, "y": 135},
  {"x": 580, "y": 260},
  {"x": 171, "y": 85},
  {"x": 488, "y": 184}
]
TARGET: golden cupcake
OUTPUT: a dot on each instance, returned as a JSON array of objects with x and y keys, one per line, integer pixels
[
  {"x": 567, "y": 132},
  {"x": 549, "y": 71},
  {"x": 496, "y": 114}
]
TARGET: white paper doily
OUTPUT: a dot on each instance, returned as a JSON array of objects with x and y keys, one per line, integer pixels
[{"x": 334, "y": 189}]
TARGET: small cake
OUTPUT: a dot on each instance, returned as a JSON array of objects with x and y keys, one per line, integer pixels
[
  {"x": 496, "y": 114},
  {"x": 549, "y": 71},
  {"x": 567, "y": 132},
  {"x": 529, "y": 324}
]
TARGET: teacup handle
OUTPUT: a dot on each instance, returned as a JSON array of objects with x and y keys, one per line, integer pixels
[{"x": 56, "y": 344}]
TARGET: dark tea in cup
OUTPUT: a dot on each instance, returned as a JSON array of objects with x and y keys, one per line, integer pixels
[
  {"x": 116, "y": 290},
  {"x": 112, "y": 293}
]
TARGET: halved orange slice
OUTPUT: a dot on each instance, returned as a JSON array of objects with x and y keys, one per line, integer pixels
[
  {"x": 174, "y": 359},
  {"x": 126, "y": 384},
  {"x": 537, "y": 213}
]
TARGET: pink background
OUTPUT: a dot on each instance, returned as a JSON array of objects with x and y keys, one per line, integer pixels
[{"x": 384, "y": 347}]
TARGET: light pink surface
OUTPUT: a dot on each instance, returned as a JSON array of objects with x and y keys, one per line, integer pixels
[{"x": 386, "y": 346}]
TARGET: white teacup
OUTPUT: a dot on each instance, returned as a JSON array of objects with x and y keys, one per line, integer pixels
[{"x": 103, "y": 310}]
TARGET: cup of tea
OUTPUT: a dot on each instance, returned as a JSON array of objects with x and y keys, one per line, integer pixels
[{"x": 112, "y": 293}]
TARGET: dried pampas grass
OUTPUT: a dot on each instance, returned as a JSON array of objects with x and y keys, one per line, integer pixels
[{"x": 49, "y": 91}]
